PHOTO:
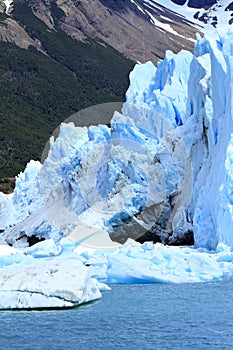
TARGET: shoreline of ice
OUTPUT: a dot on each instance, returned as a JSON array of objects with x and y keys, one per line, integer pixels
[{"x": 50, "y": 275}]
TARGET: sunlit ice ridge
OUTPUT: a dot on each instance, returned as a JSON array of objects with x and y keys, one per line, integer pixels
[{"x": 161, "y": 172}]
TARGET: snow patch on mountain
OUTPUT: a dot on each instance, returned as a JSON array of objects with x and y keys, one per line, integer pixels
[
  {"x": 165, "y": 26},
  {"x": 219, "y": 14},
  {"x": 8, "y": 5}
]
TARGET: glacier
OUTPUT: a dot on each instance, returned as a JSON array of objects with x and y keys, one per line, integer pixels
[{"x": 147, "y": 198}]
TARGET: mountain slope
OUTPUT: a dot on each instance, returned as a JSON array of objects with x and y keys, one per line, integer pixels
[
  {"x": 126, "y": 25},
  {"x": 39, "y": 91},
  {"x": 58, "y": 57}
]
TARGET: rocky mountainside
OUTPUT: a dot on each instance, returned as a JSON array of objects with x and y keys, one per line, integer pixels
[{"x": 125, "y": 25}]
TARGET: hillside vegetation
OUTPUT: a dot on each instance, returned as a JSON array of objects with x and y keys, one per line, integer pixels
[{"x": 38, "y": 91}]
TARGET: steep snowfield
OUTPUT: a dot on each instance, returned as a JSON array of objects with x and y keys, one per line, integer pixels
[{"x": 160, "y": 17}]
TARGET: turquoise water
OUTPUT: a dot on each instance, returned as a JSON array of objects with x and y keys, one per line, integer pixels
[{"x": 158, "y": 316}]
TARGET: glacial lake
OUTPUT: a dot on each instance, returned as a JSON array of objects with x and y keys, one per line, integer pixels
[{"x": 146, "y": 316}]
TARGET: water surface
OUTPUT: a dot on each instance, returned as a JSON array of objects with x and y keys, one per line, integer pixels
[{"x": 156, "y": 316}]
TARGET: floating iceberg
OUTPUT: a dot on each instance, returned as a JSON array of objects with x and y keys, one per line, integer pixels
[
  {"x": 161, "y": 172},
  {"x": 28, "y": 283}
]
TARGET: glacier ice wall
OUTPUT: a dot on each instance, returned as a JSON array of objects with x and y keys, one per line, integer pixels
[
  {"x": 162, "y": 171},
  {"x": 210, "y": 108}
]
